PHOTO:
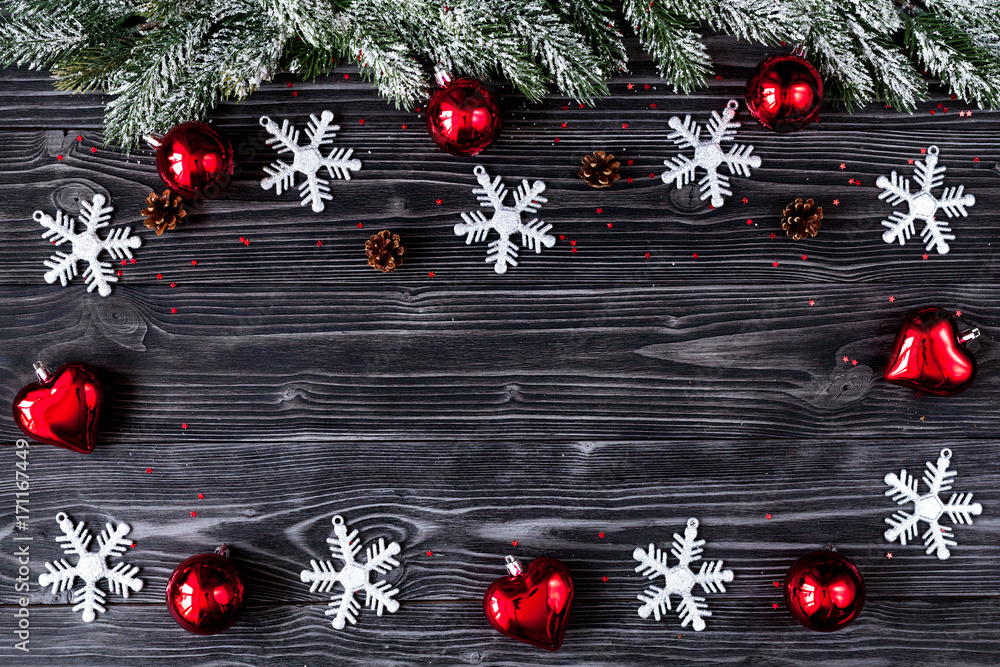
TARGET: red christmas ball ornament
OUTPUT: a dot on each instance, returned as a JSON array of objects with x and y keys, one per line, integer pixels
[
  {"x": 784, "y": 93},
  {"x": 194, "y": 159},
  {"x": 463, "y": 117},
  {"x": 531, "y": 605},
  {"x": 929, "y": 354},
  {"x": 824, "y": 591},
  {"x": 205, "y": 593},
  {"x": 62, "y": 408}
]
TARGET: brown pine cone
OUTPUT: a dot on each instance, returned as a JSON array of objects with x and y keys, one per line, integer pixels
[
  {"x": 163, "y": 211},
  {"x": 600, "y": 170},
  {"x": 801, "y": 219},
  {"x": 385, "y": 252}
]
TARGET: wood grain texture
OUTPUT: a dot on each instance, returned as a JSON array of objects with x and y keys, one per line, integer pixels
[{"x": 581, "y": 393}]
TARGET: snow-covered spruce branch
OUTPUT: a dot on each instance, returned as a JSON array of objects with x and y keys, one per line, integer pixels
[{"x": 168, "y": 61}]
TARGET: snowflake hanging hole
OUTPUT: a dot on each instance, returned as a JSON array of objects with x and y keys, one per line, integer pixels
[
  {"x": 354, "y": 577},
  {"x": 922, "y": 205},
  {"x": 680, "y": 579},
  {"x": 91, "y": 566},
  {"x": 708, "y": 154},
  {"x": 929, "y": 508},
  {"x": 307, "y": 159},
  {"x": 87, "y": 246},
  {"x": 506, "y": 220}
]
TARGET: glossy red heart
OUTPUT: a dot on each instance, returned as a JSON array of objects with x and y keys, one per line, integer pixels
[
  {"x": 531, "y": 605},
  {"x": 63, "y": 408},
  {"x": 929, "y": 354}
]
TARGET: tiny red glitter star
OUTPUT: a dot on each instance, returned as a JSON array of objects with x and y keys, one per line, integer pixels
[
  {"x": 79, "y": 137},
  {"x": 695, "y": 255},
  {"x": 958, "y": 313},
  {"x": 604, "y": 579},
  {"x": 556, "y": 140},
  {"x": 923, "y": 150},
  {"x": 647, "y": 255},
  {"x": 159, "y": 276},
  {"x": 773, "y": 235},
  {"x": 93, "y": 149},
  {"x": 360, "y": 225},
  {"x": 845, "y": 359},
  {"x": 630, "y": 86},
  {"x": 437, "y": 201},
  {"x": 652, "y": 175},
  {"x": 768, "y": 516},
  {"x": 804, "y": 258},
  {"x": 347, "y": 76},
  {"x": 624, "y": 126},
  {"x": 319, "y": 243},
  {"x": 843, "y": 166},
  {"x": 629, "y": 180},
  {"x": 132, "y": 545},
  {"x": 124, "y": 262},
  {"x": 925, "y": 255},
  {"x": 749, "y": 221},
  {"x": 975, "y": 159},
  {"x": 173, "y": 284},
  {"x": 562, "y": 237},
  {"x": 59, "y": 157},
  {"x": 745, "y": 200},
  {"x": 402, "y": 126},
  {"x": 514, "y": 543},
  {"x": 854, "y": 362},
  {"x": 774, "y": 264},
  {"x": 812, "y": 302},
  {"x": 910, "y": 161},
  {"x": 149, "y": 471},
  {"x": 629, "y": 162},
  {"x": 645, "y": 86},
  {"x": 573, "y": 250},
  {"x": 774, "y": 605},
  {"x": 601, "y": 534},
  {"x": 289, "y": 84},
  {"x": 193, "y": 513},
  {"x": 295, "y": 93},
  {"x": 892, "y": 299},
  {"x": 184, "y": 426},
  {"x": 888, "y": 554},
  {"x": 851, "y": 181},
  {"x": 610, "y": 225},
  {"x": 777, "y": 584},
  {"x": 121, "y": 273},
  {"x": 194, "y": 262},
  {"x": 430, "y": 274},
  {"x": 173, "y": 311},
  {"x": 429, "y": 553},
  {"x": 361, "y": 121},
  {"x": 652, "y": 105},
  {"x": 201, "y": 496},
  {"x": 572, "y": 242},
  {"x": 836, "y": 202},
  {"x": 600, "y": 210}
]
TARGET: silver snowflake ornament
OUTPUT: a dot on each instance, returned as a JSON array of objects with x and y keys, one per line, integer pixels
[
  {"x": 87, "y": 246},
  {"x": 708, "y": 154},
  {"x": 354, "y": 576},
  {"x": 307, "y": 159},
  {"x": 929, "y": 507},
  {"x": 506, "y": 220},
  {"x": 922, "y": 205},
  {"x": 91, "y": 567},
  {"x": 680, "y": 579}
]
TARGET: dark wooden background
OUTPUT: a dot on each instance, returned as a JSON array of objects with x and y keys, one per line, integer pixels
[{"x": 588, "y": 392}]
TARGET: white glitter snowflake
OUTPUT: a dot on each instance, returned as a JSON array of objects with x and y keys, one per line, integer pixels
[
  {"x": 91, "y": 566},
  {"x": 87, "y": 245},
  {"x": 708, "y": 154},
  {"x": 923, "y": 205},
  {"x": 307, "y": 159},
  {"x": 928, "y": 507},
  {"x": 506, "y": 220},
  {"x": 680, "y": 579},
  {"x": 354, "y": 576}
]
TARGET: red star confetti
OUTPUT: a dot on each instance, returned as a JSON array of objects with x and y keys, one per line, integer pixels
[
  {"x": 93, "y": 149},
  {"x": 563, "y": 126},
  {"x": 836, "y": 202},
  {"x": 437, "y": 201},
  {"x": 184, "y": 426},
  {"x": 360, "y": 225},
  {"x": 149, "y": 471},
  {"x": 319, "y": 244},
  {"x": 193, "y": 514},
  {"x": 132, "y": 545},
  {"x": 843, "y": 166},
  {"x": 59, "y": 157},
  {"x": 604, "y": 579},
  {"x": 79, "y": 137},
  {"x": 600, "y": 210},
  {"x": 201, "y": 496},
  {"x": 773, "y": 236},
  {"x": 347, "y": 76},
  {"x": 173, "y": 284},
  {"x": 958, "y": 313},
  {"x": 845, "y": 359},
  {"x": 289, "y": 84},
  {"x": 777, "y": 584},
  {"x": 629, "y": 162},
  {"x": 854, "y": 362},
  {"x": 804, "y": 258},
  {"x": 361, "y": 121},
  {"x": 774, "y": 264},
  {"x": 430, "y": 274},
  {"x": 610, "y": 225},
  {"x": 581, "y": 105},
  {"x": 601, "y": 534},
  {"x": 573, "y": 250},
  {"x": 652, "y": 175},
  {"x": 694, "y": 255},
  {"x": 888, "y": 554},
  {"x": 124, "y": 262},
  {"x": 975, "y": 159},
  {"x": 925, "y": 255},
  {"x": 652, "y": 105},
  {"x": 630, "y": 86},
  {"x": 159, "y": 276},
  {"x": 910, "y": 161},
  {"x": 647, "y": 255},
  {"x": 514, "y": 543},
  {"x": 402, "y": 126},
  {"x": 173, "y": 311},
  {"x": 768, "y": 516},
  {"x": 629, "y": 180},
  {"x": 749, "y": 221},
  {"x": 556, "y": 140},
  {"x": 295, "y": 93},
  {"x": 624, "y": 126},
  {"x": 429, "y": 553},
  {"x": 892, "y": 299},
  {"x": 923, "y": 151},
  {"x": 774, "y": 605},
  {"x": 745, "y": 200},
  {"x": 121, "y": 273},
  {"x": 572, "y": 242},
  {"x": 646, "y": 87},
  {"x": 812, "y": 302},
  {"x": 850, "y": 181},
  {"x": 244, "y": 240},
  {"x": 562, "y": 237}
]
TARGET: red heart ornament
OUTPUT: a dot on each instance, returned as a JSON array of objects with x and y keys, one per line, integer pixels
[
  {"x": 929, "y": 354},
  {"x": 63, "y": 408},
  {"x": 531, "y": 605}
]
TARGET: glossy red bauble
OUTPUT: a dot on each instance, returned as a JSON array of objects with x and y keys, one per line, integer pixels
[
  {"x": 785, "y": 93},
  {"x": 205, "y": 593},
  {"x": 824, "y": 591},
  {"x": 463, "y": 117},
  {"x": 62, "y": 408},
  {"x": 531, "y": 605},
  {"x": 194, "y": 159},
  {"x": 929, "y": 354}
]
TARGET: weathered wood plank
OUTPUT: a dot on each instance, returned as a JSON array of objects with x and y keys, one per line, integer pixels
[{"x": 468, "y": 363}]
